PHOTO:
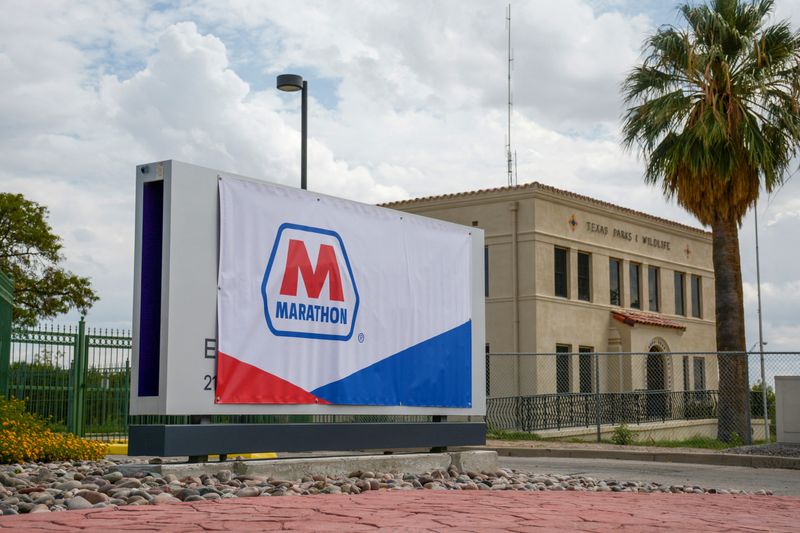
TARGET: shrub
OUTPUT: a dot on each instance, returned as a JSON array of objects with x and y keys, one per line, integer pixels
[
  {"x": 26, "y": 437},
  {"x": 623, "y": 435},
  {"x": 736, "y": 440}
]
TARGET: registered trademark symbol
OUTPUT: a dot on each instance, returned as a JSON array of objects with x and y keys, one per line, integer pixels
[{"x": 360, "y": 337}]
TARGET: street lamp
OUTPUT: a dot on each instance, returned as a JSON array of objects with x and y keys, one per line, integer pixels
[
  {"x": 761, "y": 342},
  {"x": 292, "y": 83}
]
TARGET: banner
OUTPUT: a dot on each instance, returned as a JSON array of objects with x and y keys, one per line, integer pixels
[{"x": 327, "y": 301}]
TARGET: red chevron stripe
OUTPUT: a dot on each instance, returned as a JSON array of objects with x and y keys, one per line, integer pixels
[{"x": 239, "y": 382}]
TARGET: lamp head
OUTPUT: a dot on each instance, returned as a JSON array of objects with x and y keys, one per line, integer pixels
[{"x": 290, "y": 82}]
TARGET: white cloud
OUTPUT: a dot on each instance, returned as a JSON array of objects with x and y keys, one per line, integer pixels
[{"x": 90, "y": 89}]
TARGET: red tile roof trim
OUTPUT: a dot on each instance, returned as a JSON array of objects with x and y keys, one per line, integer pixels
[
  {"x": 632, "y": 318},
  {"x": 535, "y": 185}
]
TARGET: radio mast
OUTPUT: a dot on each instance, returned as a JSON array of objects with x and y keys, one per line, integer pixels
[{"x": 510, "y": 161}]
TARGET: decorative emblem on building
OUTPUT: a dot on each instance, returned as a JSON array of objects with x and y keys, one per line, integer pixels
[
  {"x": 573, "y": 223},
  {"x": 687, "y": 251}
]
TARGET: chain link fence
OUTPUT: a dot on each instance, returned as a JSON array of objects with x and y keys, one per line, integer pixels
[
  {"x": 79, "y": 378},
  {"x": 658, "y": 396}
]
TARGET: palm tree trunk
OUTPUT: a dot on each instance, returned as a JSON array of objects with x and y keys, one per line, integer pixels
[{"x": 734, "y": 390}]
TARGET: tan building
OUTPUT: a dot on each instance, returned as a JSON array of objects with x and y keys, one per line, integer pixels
[{"x": 568, "y": 273}]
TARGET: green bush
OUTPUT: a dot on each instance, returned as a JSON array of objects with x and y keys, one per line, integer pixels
[
  {"x": 698, "y": 410},
  {"x": 26, "y": 437},
  {"x": 735, "y": 441},
  {"x": 623, "y": 435}
]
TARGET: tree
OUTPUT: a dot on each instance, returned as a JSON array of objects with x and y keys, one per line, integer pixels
[
  {"x": 713, "y": 109},
  {"x": 31, "y": 254}
]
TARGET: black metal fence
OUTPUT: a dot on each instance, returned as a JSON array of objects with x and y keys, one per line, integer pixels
[
  {"x": 559, "y": 411},
  {"x": 533, "y": 392}
]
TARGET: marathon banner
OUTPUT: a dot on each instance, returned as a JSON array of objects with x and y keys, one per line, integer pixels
[{"x": 327, "y": 301}]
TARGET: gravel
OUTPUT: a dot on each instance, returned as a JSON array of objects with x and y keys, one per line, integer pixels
[
  {"x": 774, "y": 449},
  {"x": 34, "y": 488}
]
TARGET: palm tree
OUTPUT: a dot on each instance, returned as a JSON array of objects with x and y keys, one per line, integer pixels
[{"x": 713, "y": 109}]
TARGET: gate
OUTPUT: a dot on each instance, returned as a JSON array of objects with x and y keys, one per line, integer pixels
[{"x": 77, "y": 377}]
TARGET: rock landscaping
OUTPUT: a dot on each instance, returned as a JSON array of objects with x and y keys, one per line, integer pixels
[
  {"x": 41, "y": 488},
  {"x": 774, "y": 449}
]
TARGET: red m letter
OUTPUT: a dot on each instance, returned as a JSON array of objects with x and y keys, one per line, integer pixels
[{"x": 327, "y": 267}]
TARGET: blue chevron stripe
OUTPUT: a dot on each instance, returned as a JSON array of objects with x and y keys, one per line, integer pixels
[{"x": 434, "y": 373}]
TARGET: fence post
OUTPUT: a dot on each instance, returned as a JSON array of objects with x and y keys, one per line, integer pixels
[
  {"x": 6, "y": 316},
  {"x": 597, "y": 393},
  {"x": 78, "y": 407}
]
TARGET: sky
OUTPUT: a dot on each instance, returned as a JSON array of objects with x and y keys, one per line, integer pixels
[{"x": 406, "y": 99}]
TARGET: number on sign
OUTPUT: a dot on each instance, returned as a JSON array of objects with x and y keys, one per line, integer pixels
[{"x": 211, "y": 382}]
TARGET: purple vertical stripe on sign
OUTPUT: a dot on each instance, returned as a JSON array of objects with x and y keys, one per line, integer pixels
[{"x": 150, "y": 287}]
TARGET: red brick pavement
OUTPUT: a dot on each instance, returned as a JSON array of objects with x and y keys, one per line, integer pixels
[{"x": 437, "y": 511}]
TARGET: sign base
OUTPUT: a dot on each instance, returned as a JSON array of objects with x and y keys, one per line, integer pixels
[{"x": 204, "y": 439}]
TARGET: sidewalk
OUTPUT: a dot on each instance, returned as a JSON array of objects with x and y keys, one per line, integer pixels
[
  {"x": 593, "y": 450},
  {"x": 437, "y": 511}
]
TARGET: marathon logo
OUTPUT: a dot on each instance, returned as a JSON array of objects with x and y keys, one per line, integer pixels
[{"x": 309, "y": 290}]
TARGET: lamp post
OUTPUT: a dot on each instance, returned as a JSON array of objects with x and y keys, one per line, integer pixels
[
  {"x": 761, "y": 342},
  {"x": 293, "y": 83}
]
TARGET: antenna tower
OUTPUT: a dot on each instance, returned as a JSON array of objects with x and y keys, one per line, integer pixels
[{"x": 510, "y": 162}]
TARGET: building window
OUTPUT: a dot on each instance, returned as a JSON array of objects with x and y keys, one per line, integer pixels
[
  {"x": 560, "y": 260},
  {"x": 680, "y": 308},
  {"x": 685, "y": 372},
  {"x": 614, "y": 281},
  {"x": 584, "y": 276},
  {"x": 488, "y": 369},
  {"x": 699, "y": 374},
  {"x": 696, "y": 301},
  {"x": 585, "y": 369},
  {"x": 486, "y": 271},
  {"x": 653, "y": 276},
  {"x": 562, "y": 368},
  {"x": 636, "y": 291}
]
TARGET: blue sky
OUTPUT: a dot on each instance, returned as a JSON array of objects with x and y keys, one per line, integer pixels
[{"x": 407, "y": 99}]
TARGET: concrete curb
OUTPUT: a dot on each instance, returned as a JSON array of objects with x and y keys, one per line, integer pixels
[
  {"x": 722, "y": 459},
  {"x": 413, "y": 463}
]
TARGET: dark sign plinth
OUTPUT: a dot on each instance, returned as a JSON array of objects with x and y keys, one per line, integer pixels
[{"x": 204, "y": 439}]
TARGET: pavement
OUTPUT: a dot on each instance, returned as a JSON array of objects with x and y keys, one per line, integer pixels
[
  {"x": 591, "y": 450},
  {"x": 480, "y": 510},
  {"x": 423, "y": 511},
  {"x": 781, "y": 482}
]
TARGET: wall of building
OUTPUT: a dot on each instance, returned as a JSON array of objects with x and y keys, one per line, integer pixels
[{"x": 523, "y": 314}]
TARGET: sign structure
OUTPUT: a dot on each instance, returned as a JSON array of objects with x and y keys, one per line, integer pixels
[
  {"x": 340, "y": 304},
  {"x": 252, "y": 298}
]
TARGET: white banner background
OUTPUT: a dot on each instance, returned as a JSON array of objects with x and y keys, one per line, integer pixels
[{"x": 412, "y": 275}]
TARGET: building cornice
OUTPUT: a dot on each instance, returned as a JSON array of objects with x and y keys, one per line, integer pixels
[{"x": 536, "y": 189}]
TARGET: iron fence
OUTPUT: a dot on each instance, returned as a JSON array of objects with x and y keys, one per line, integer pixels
[
  {"x": 659, "y": 395},
  {"x": 558, "y": 411},
  {"x": 75, "y": 376},
  {"x": 79, "y": 378}
]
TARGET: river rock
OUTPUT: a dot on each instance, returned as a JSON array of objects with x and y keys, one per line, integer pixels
[{"x": 78, "y": 502}]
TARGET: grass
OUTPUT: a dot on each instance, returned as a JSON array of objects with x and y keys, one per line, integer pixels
[
  {"x": 499, "y": 434},
  {"x": 692, "y": 442},
  {"x": 696, "y": 442}
]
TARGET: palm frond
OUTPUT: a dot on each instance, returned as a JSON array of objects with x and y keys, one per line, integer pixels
[{"x": 714, "y": 107}]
